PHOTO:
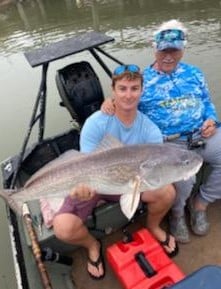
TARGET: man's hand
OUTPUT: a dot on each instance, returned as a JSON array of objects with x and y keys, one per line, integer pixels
[
  {"x": 108, "y": 106},
  {"x": 82, "y": 192},
  {"x": 208, "y": 128}
]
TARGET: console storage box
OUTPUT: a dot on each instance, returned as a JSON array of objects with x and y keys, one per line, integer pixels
[{"x": 142, "y": 263}]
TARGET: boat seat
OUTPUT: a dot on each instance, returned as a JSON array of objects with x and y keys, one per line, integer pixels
[
  {"x": 80, "y": 90},
  {"x": 38, "y": 155}
]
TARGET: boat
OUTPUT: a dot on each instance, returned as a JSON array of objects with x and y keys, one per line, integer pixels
[{"x": 41, "y": 261}]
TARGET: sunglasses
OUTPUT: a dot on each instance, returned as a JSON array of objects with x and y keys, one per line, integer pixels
[
  {"x": 170, "y": 35},
  {"x": 123, "y": 68}
]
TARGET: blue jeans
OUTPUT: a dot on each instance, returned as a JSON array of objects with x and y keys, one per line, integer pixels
[{"x": 211, "y": 189}]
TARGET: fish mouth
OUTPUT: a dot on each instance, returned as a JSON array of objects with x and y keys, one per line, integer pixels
[{"x": 193, "y": 172}]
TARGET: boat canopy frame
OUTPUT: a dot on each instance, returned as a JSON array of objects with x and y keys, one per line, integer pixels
[{"x": 90, "y": 41}]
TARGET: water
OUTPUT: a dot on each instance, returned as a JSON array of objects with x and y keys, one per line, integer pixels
[{"x": 32, "y": 24}]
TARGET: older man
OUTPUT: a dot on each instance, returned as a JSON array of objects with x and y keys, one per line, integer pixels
[{"x": 177, "y": 99}]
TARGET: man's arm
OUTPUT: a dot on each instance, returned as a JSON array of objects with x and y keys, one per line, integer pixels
[
  {"x": 91, "y": 133},
  {"x": 108, "y": 106}
]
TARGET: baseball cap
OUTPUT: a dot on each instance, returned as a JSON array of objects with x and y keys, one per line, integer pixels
[{"x": 170, "y": 38}]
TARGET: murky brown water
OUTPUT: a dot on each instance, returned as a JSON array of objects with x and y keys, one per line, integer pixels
[{"x": 34, "y": 23}]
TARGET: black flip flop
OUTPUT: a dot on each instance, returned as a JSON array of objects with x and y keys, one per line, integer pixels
[
  {"x": 166, "y": 243},
  {"x": 100, "y": 260}
]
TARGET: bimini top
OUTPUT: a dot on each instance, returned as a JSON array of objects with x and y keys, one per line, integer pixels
[{"x": 66, "y": 47}]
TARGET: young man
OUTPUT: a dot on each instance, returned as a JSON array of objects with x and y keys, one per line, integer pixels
[{"x": 129, "y": 126}]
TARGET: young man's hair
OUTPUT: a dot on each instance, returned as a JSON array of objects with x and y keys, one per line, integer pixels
[{"x": 128, "y": 76}]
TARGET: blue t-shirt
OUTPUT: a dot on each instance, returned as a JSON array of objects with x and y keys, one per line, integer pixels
[
  {"x": 99, "y": 124},
  {"x": 178, "y": 102}
]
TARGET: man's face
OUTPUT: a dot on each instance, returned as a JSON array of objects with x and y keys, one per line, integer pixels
[
  {"x": 127, "y": 94},
  {"x": 167, "y": 59}
]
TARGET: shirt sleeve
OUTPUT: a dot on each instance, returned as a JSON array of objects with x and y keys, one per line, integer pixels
[
  {"x": 210, "y": 110},
  {"x": 154, "y": 134},
  {"x": 150, "y": 131},
  {"x": 91, "y": 134}
]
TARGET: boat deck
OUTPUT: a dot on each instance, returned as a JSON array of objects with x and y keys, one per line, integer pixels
[{"x": 199, "y": 252}]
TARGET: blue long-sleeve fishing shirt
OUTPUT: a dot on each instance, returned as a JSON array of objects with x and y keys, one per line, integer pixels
[{"x": 178, "y": 102}]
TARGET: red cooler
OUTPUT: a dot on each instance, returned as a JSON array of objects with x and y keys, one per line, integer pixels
[{"x": 142, "y": 263}]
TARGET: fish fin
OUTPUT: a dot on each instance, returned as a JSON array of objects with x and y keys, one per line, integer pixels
[
  {"x": 130, "y": 202},
  {"x": 109, "y": 142},
  {"x": 125, "y": 204}
]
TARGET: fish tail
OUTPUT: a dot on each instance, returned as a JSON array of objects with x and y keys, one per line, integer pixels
[{"x": 6, "y": 195}]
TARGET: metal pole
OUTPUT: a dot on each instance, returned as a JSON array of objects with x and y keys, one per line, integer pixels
[
  {"x": 40, "y": 102},
  {"x": 36, "y": 250},
  {"x": 100, "y": 61},
  {"x": 108, "y": 55}
]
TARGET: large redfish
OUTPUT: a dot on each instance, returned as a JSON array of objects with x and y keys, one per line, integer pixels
[{"x": 113, "y": 169}]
